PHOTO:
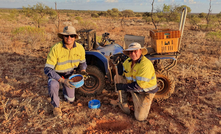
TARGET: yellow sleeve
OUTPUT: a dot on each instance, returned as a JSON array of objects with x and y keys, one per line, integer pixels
[{"x": 51, "y": 58}]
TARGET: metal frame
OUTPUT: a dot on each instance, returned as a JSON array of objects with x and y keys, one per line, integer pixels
[{"x": 175, "y": 56}]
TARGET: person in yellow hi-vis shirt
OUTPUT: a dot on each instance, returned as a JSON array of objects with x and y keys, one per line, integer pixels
[
  {"x": 141, "y": 81},
  {"x": 62, "y": 59}
]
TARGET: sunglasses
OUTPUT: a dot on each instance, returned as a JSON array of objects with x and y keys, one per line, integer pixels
[
  {"x": 72, "y": 36},
  {"x": 134, "y": 51}
]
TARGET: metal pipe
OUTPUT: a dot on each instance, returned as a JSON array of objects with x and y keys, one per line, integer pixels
[{"x": 182, "y": 23}]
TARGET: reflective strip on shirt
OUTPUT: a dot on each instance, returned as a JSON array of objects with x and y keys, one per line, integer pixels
[
  {"x": 129, "y": 78},
  {"x": 82, "y": 61},
  {"x": 69, "y": 61},
  {"x": 145, "y": 79},
  {"x": 49, "y": 65},
  {"x": 150, "y": 88}
]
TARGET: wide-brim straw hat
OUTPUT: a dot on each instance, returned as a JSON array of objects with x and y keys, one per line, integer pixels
[
  {"x": 68, "y": 30},
  {"x": 135, "y": 46}
]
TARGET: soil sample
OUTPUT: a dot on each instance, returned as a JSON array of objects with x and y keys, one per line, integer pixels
[{"x": 76, "y": 79}]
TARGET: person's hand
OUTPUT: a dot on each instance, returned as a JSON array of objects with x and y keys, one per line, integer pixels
[
  {"x": 66, "y": 82},
  {"x": 85, "y": 74},
  {"x": 120, "y": 86}
]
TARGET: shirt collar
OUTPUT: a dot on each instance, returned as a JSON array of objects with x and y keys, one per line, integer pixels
[
  {"x": 138, "y": 61},
  {"x": 66, "y": 47}
]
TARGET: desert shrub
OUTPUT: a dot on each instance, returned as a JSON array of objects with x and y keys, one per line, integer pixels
[
  {"x": 156, "y": 19},
  {"x": 146, "y": 14},
  {"x": 38, "y": 13},
  {"x": 13, "y": 15},
  {"x": 195, "y": 20},
  {"x": 175, "y": 17},
  {"x": 114, "y": 12},
  {"x": 78, "y": 18},
  {"x": 88, "y": 24},
  {"x": 127, "y": 13},
  {"x": 94, "y": 15},
  {"x": 103, "y": 13},
  {"x": 202, "y": 15},
  {"x": 138, "y": 15},
  {"x": 147, "y": 19},
  {"x": 28, "y": 34},
  {"x": 70, "y": 14},
  {"x": 180, "y": 8},
  {"x": 214, "y": 35}
]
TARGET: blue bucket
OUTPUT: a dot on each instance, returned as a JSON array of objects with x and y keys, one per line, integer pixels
[
  {"x": 94, "y": 104},
  {"x": 78, "y": 83}
]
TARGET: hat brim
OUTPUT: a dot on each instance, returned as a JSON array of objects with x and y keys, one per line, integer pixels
[
  {"x": 60, "y": 35},
  {"x": 126, "y": 52}
]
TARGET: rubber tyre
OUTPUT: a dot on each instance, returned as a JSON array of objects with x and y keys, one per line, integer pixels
[
  {"x": 94, "y": 85},
  {"x": 166, "y": 86}
]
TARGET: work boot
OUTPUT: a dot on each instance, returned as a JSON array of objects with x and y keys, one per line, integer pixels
[
  {"x": 124, "y": 105},
  {"x": 57, "y": 112}
]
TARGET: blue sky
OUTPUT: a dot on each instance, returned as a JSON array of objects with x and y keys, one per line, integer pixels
[{"x": 197, "y": 6}]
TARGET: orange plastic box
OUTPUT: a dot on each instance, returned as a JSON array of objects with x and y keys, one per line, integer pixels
[
  {"x": 165, "y": 45},
  {"x": 165, "y": 40},
  {"x": 164, "y": 34}
]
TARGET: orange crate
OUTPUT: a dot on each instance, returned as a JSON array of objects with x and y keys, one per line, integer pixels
[
  {"x": 164, "y": 34},
  {"x": 165, "y": 45}
]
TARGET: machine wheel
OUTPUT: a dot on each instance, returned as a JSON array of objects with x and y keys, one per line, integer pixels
[
  {"x": 94, "y": 85},
  {"x": 166, "y": 86}
]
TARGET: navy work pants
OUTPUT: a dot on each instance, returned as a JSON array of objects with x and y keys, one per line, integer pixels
[{"x": 53, "y": 90}]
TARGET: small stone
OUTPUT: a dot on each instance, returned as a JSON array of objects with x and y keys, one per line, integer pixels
[
  {"x": 79, "y": 104},
  {"x": 104, "y": 91},
  {"x": 151, "y": 121}
]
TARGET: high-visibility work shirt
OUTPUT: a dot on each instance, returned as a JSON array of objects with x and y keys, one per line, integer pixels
[
  {"x": 62, "y": 59},
  {"x": 142, "y": 72}
]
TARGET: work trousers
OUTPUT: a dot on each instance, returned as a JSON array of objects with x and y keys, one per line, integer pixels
[
  {"x": 53, "y": 90},
  {"x": 142, "y": 103}
]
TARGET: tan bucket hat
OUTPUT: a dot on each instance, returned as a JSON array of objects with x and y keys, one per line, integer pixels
[
  {"x": 68, "y": 30},
  {"x": 135, "y": 46}
]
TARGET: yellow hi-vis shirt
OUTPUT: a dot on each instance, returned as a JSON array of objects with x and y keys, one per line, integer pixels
[
  {"x": 142, "y": 72},
  {"x": 62, "y": 59}
]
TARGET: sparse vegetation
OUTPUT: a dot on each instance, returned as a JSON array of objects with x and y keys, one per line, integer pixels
[
  {"x": 214, "y": 35},
  {"x": 25, "y": 105},
  {"x": 38, "y": 13},
  {"x": 28, "y": 34}
]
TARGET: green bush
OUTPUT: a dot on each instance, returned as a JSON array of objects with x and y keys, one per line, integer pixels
[
  {"x": 202, "y": 15},
  {"x": 70, "y": 14},
  {"x": 138, "y": 15},
  {"x": 147, "y": 19},
  {"x": 13, "y": 15},
  {"x": 88, "y": 24},
  {"x": 194, "y": 20},
  {"x": 214, "y": 35},
  {"x": 78, "y": 18},
  {"x": 103, "y": 13},
  {"x": 38, "y": 13},
  {"x": 94, "y": 15},
  {"x": 28, "y": 34}
]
